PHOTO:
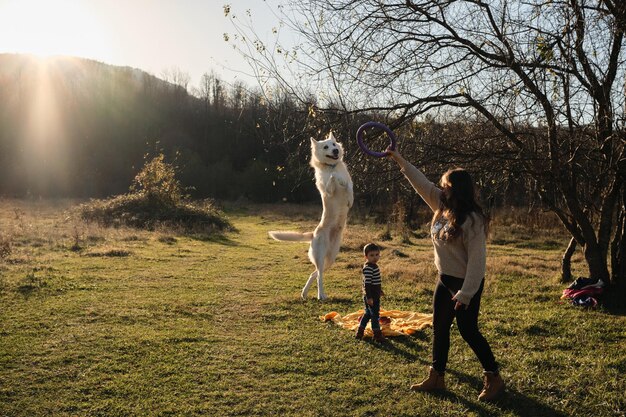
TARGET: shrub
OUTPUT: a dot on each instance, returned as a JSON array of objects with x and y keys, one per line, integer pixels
[
  {"x": 5, "y": 246},
  {"x": 157, "y": 183},
  {"x": 156, "y": 199}
]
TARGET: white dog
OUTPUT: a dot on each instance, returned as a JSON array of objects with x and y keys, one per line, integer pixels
[{"x": 335, "y": 186}]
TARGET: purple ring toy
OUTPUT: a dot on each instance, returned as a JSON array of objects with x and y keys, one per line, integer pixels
[{"x": 361, "y": 131}]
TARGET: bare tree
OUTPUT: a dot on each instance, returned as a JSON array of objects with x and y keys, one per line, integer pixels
[
  {"x": 548, "y": 75},
  {"x": 177, "y": 77}
]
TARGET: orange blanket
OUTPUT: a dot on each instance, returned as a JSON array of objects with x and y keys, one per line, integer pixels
[{"x": 392, "y": 322}]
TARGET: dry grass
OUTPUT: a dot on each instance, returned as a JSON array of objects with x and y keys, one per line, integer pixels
[{"x": 188, "y": 326}]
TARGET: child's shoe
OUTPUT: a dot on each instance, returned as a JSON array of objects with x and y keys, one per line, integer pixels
[
  {"x": 378, "y": 336},
  {"x": 359, "y": 333}
]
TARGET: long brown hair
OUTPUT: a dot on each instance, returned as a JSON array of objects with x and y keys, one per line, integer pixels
[{"x": 458, "y": 201}]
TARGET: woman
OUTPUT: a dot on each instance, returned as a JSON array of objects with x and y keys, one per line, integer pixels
[{"x": 458, "y": 231}]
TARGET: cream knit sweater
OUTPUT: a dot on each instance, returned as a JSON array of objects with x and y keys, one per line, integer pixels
[{"x": 462, "y": 257}]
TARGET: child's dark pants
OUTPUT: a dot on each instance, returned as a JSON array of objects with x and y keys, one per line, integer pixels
[
  {"x": 371, "y": 313},
  {"x": 466, "y": 320}
]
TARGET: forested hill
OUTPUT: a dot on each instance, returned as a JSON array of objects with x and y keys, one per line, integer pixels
[{"x": 73, "y": 127}]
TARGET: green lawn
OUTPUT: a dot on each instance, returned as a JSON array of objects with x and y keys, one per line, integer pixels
[{"x": 98, "y": 321}]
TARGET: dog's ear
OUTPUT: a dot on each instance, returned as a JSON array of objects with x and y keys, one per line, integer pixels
[
  {"x": 331, "y": 136},
  {"x": 313, "y": 142}
]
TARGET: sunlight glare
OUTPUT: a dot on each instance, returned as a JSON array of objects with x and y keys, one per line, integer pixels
[
  {"x": 45, "y": 143},
  {"x": 52, "y": 27}
]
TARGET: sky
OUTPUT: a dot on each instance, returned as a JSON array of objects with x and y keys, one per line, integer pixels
[{"x": 153, "y": 35}]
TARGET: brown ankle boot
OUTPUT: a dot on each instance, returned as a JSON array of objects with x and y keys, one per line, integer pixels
[
  {"x": 359, "y": 333},
  {"x": 378, "y": 336},
  {"x": 494, "y": 387},
  {"x": 434, "y": 382}
]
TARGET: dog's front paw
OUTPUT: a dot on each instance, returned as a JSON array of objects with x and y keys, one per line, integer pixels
[{"x": 342, "y": 182}]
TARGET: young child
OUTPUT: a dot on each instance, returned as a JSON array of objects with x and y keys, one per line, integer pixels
[{"x": 372, "y": 290}]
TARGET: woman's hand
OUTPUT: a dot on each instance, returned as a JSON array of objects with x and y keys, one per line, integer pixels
[
  {"x": 460, "y": 306},
  {"x": 395, "y": 155}
]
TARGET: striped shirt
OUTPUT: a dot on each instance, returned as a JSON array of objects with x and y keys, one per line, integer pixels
[{"x": 372, "y": 281}]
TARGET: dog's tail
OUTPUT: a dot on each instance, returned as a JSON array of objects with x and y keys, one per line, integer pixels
[{"x": 292, "y": 236}]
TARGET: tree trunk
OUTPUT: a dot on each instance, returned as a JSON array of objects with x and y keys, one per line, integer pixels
[
  {"x": 597, "y": 263},
  {"x": 618, "y": 251},
  {"x": 566, "y": 263}
]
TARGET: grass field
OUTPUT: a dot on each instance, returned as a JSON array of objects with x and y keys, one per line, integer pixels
[{"x": 117, "y": 322}]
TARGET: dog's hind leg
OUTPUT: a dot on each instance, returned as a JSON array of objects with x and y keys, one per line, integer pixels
[
  {"x": 317, "y": 256},
  {"x": 327, "y": 259},
  {"x": 321, "y": 295},
  {"x": 305, "y": 290}
]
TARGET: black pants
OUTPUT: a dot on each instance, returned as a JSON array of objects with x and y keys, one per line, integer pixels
[{"x": 466, "y": 320}]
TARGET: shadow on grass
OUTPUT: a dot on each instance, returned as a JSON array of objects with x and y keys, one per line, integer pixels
[
  {"x": 405, "y": 346},
  {"x": 219, "y": 238},
  {"x": 27, "y": 290},
  {"x": 512, "y": 401},
  {"x": 613, "y": 300},
  {"x": 31, "y": 285},
  {"x": 349, "y": 301},
  {"x": 525, "y": 406},
  {"x": 330, "y": 303}
]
